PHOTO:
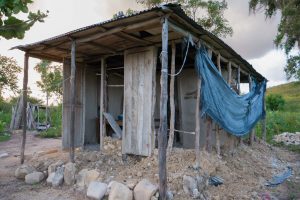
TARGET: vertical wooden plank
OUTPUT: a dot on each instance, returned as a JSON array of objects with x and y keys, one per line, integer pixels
[
  {"x": 102, "y": 87},
  {"x": 239, "y": 92},
  {"x": 219, "y": 63},
  {"x": 73, "y": 96},
  {"x": 172, "y": 102},
  {"x": 230, "y": 136},
  {"x": 208, "y": 134},
  {"x": 162, "y": 135},
  {"x": 264, "y": 126},
  {"x": 24, "y": 114},
  {"x": 197, "y": 129},
  {"x": 218, "y": 148},
  {"x": 252, "y": 133}
]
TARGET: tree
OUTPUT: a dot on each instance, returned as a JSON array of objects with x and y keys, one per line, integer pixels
[
  {"x": 288, "y": 32},
  {"x": 9, "y": 70},
  {"x": 51, "y": 78},
  {"x": 275, "y": 102},
  {"x": 213, "y": 18},
  {"x": 13, "y": 27}
]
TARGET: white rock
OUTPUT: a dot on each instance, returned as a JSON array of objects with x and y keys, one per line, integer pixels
[
  {"x": 189, "y": 184},
  {"x": 50, "y": 178},
  {"x": 33, "y": 178},
  {"x": 69, "y": 173},
  {"x": 144, "y": 190},
  {"x": 58, "y": 177},
  {"x": 3, "y": 155},
  {"x": 119, "y": 191},
  {"x": 53, "y": 167},
  {"x": 131, "y": 183},
  {"x": 23, "y": 170},
  {"x": 96, "y": 190},
  {"x": 90, "y": 176},
  {"x": 80, "y": 177}
]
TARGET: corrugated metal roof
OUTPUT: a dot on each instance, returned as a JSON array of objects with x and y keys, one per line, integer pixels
[{"x": 175, "y": 8}]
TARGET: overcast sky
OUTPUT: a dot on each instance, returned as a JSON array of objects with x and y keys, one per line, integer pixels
[{"x": 253, "y": 34}]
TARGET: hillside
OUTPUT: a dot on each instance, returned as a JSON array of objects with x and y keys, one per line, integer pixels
[{"x": 291, "y": 94}]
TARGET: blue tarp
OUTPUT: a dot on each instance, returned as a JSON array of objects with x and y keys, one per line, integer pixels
[{"x": 237, "y": 114}]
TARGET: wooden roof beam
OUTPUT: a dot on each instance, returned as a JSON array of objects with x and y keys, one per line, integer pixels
[
  {"x": 116, "y": 30},
  {"x": 100, "y": 46},
  {"x": 128, "y": 36}
]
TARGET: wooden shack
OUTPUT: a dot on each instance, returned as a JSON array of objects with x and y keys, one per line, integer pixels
[{"x": 122, "y": 67}]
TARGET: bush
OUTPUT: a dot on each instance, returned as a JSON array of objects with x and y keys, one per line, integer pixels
[
  {"x": 275, "y": 102},
  {"x": 53, "y": 132}
]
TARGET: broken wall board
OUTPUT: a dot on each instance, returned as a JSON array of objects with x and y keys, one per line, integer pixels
[
  {"x": 112, "y": 122},
  {"x": 66, "y": 118},
  {"x": 139, "y": 75}
]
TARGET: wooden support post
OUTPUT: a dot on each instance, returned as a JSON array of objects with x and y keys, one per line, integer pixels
[
  {"x": 24, "y": 114},
  {"x": 229, "y": 73},
  {"x": 219, "y": 63},
  {"x": 239, "y": 92},
  {"x": 197, "y": 129},
  {"x": 162, "y": 135},
  {"x": 102, "y": 106},
  {"x": 264, "y": 126},
  {"x": 218, "y": 148},
  {"x": 252, "y": 133},
  {"x": 231, "y": 138},
  {"x": 73, "y": 96},
  {"x": 172, "y": 103},
  {"x": 208, "y": 134}
]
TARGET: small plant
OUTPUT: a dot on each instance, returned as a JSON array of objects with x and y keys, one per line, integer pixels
[{"x": 275, "y": 102}]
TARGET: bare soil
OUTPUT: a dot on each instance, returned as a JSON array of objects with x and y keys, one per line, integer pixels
[{"x": 244, "y": 172}]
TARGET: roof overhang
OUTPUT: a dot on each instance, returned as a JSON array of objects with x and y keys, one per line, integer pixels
[{"x": 140, "y": 29}]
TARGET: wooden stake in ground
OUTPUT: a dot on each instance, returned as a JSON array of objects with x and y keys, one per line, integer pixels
[
  {"x": 252, "y": 133},
  {"x": 162, "y": 135},
  {"x": 172, "y": 103},
  {"x": 72, "y": 86},
  {"x": 197, "y": 129},
  {"x": 102, "y": 102},
  {"x": 239, "y": 92},
  {"x": 264, "y": 126},
  {"x": 24, "y": 113}
]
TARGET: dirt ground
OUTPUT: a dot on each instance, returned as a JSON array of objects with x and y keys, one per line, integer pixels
[{"x": 244, "y": 172}]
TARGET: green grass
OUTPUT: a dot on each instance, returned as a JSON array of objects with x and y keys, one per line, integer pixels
[
  {"x": 56, "y": 123},
  {"x": 291, "y": 95},
  {"x": 287, "y": 119},
  {"x": 4, "y": 137}
]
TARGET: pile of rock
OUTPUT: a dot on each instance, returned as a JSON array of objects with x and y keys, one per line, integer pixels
[
  {"x": 90, "y": 180},
  {"x": 194, "y": 186},
  {"x": 288, "y": 138}
]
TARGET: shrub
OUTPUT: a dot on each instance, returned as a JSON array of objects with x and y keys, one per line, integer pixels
[{"x": 275, "y": 102}]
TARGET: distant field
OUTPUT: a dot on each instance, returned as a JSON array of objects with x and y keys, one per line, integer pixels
[{"x": 291, "y": 94}]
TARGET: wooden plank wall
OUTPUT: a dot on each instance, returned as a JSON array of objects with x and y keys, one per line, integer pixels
[
  {"x": 139, "y": 79},
  {"x": 66, "y": 118}
]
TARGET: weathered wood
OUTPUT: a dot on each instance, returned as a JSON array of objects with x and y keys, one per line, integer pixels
[
  {"x": 239, "y": 92},
  {"x": 172, "y": 102},
  {"x": 72, "y": 96},
  {"x": 197, "y": 121},
  {"x": 230, "y": 136},
  {"x": 140, "y": 67},
  {"x": 219, "y": 63},
  {"x": 218, "y": 140},
  {"x": 208, "y": 134},
  {"x": 103, "y": 74},
  {"x": 24, "y": 114},
  {"x": 229, "y": 73},
  {"x": 112, "y": 122},
  {"x": 264, "y": 125},
  {"x": 162, "y": 135},
  {"x": 117, "y": 30},
  {"x": 252, "y": 132}
]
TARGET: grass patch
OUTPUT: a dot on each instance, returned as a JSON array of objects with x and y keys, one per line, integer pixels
[
  {"x": 4, "y": 137},
  {"x": 53, "y": 132}
]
